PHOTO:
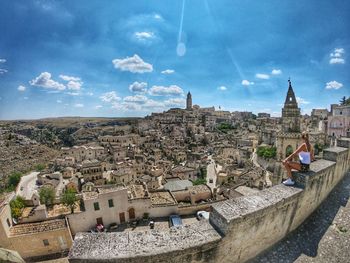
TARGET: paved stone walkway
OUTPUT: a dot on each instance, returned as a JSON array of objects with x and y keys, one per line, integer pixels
[{"x": 323, "y": 238}]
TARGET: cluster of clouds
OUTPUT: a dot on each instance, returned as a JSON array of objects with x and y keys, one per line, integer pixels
[
  {"x": 337, "y": 56},
  {"x": 263, "y": 76},
  {"x": 133, "y": 64},
  {"x": 170, "y": 96},
  {"x": 138, "y": 102},
  {"x": 334, "y": 85},
  {"x": 2, "y": 70},
  {"x": 44, "y": 80}
]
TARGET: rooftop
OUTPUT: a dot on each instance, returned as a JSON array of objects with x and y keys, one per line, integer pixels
[
  {"x": 162, "y": 198},
  {"x": 33, "y": 228},
  {"x": 177, "y": 185}
]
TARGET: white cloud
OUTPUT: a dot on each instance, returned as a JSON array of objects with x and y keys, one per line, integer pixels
[
  {"x": 133, "y": 64},
  {"x": 158, "y": 17},
  {"x": 334, "y": 85},
  {"x": 90, "y": 94},
  {"x": 168, "y": 71},
  {"x": 276, "y": 72},
  {"x": 136, "y": 98},
  {"x": 144, "y": 35},
  {"x": 175, "y": 102},
  {"x": 74, "y": 83},
  {"x": 126, "y": 106},
  {"x": 140, "y": 87},
  {"x": 262, "y": 76},
  {"x": 78, "y": 105},
  {"x": 98, "y": 107},
  {"x": 44, "y": 80},
  {"x": 25, "y": 98},
  {"x": 58, "y": 101},
  {"x": 73, "y": 93},
  {"x": 3, "y": 71},
  {"x": 2, "y": 60},
  {"x": 337, "y": 61},
  {"x": 302, "y": 101},
  {"x": 21, "y": 88},
  {"x": 110, "y": 97},
  {"x": 337, "y": 56},
  {"x": 222, "y": 88},
  {"x": 69, "y": 78},
  {"x": 172, "y": 90},
  {"x": 247, "y": 82}
]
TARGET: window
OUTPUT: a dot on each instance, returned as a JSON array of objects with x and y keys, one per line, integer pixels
[
  {"x": 110, "y": 203},
  {"x": 46, "y": 242},
  {"x": 8, "y": 222},
  {"x": 96, "y": 206}
]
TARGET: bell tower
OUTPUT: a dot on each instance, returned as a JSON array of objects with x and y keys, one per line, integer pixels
[
  {"x": 189, "y": 101},
  {"x": 290, "y": 112}
]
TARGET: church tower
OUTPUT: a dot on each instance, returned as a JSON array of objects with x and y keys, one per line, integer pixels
[
  {"x": 189, "y": 101},
  {"x": 288, "y": 138},
  {"x": 290, "y": 112}
]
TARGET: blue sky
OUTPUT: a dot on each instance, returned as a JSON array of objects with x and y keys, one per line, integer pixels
[{"x": 130, "y": 58}]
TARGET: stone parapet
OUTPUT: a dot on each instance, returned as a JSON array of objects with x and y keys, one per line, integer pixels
[{"x": 238, "y": 229}]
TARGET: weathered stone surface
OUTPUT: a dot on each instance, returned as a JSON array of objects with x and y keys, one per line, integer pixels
[
  {"x": 323, "y": 238},
  {"x": 315, "y": 169},
  {"x": 343, "y": 142},
  {"x": 244, "y": 206},
  {"x": 132, "y": 246},
  {"x": 331, "y": 154}
]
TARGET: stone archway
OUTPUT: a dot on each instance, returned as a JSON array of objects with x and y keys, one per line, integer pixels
[{"x": 289, "y": 150}]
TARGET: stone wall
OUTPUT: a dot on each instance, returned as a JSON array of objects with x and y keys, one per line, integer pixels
[{"x": 239, "y": 229}]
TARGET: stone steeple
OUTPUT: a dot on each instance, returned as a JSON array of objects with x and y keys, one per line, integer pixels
[
  {"x": 189, "y": 101},
  {"x": 290, "y": 99},
  {"x": 290, "y": 112}
]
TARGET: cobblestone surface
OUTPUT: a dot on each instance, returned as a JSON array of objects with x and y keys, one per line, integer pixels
[{"x": 324, "y": 237}]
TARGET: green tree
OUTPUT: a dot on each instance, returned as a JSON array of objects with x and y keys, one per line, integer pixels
[
  {"x": 343, "y": 101},
  {"x": 47, "y": 195},
  {"x": 17, "y": 206},
  {"x": 13, "y": 180},
  {"x": 200, "y": 181},
  {"x": 69, "y": 199},
  {"x": 266, "y": 152}
]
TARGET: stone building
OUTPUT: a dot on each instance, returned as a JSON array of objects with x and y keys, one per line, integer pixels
[
  {"x": 110, "y": 204},
  {"x": 289, "y": 137},
  {"x": 32, "y": 239},
  {"x": 339, "y": 120}
]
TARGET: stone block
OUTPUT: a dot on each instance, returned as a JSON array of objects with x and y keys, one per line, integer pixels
[
  {"x": 343, "y": 142},
  {"x": 316, "y": 167},
  {"x": 332, "y": 154}
]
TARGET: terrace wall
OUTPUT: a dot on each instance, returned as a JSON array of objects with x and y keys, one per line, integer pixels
[{"x": 246, "y": 225}]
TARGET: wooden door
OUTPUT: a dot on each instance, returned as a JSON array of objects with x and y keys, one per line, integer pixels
[
  {"x": 122, "y": 217},
  {"x": 131, "y": 213},
  {"x": 99, "y": 221}
]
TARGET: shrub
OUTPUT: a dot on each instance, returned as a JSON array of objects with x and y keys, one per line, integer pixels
[
  {"x": 47, "y": 195},
  {"x": 69, "y": 199},
  {"x": 13, "y": 180},
  {"x": 266, "y": 152},
  {"x": 17, "y": 206},
  {"x": 199, "y": 181}
]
